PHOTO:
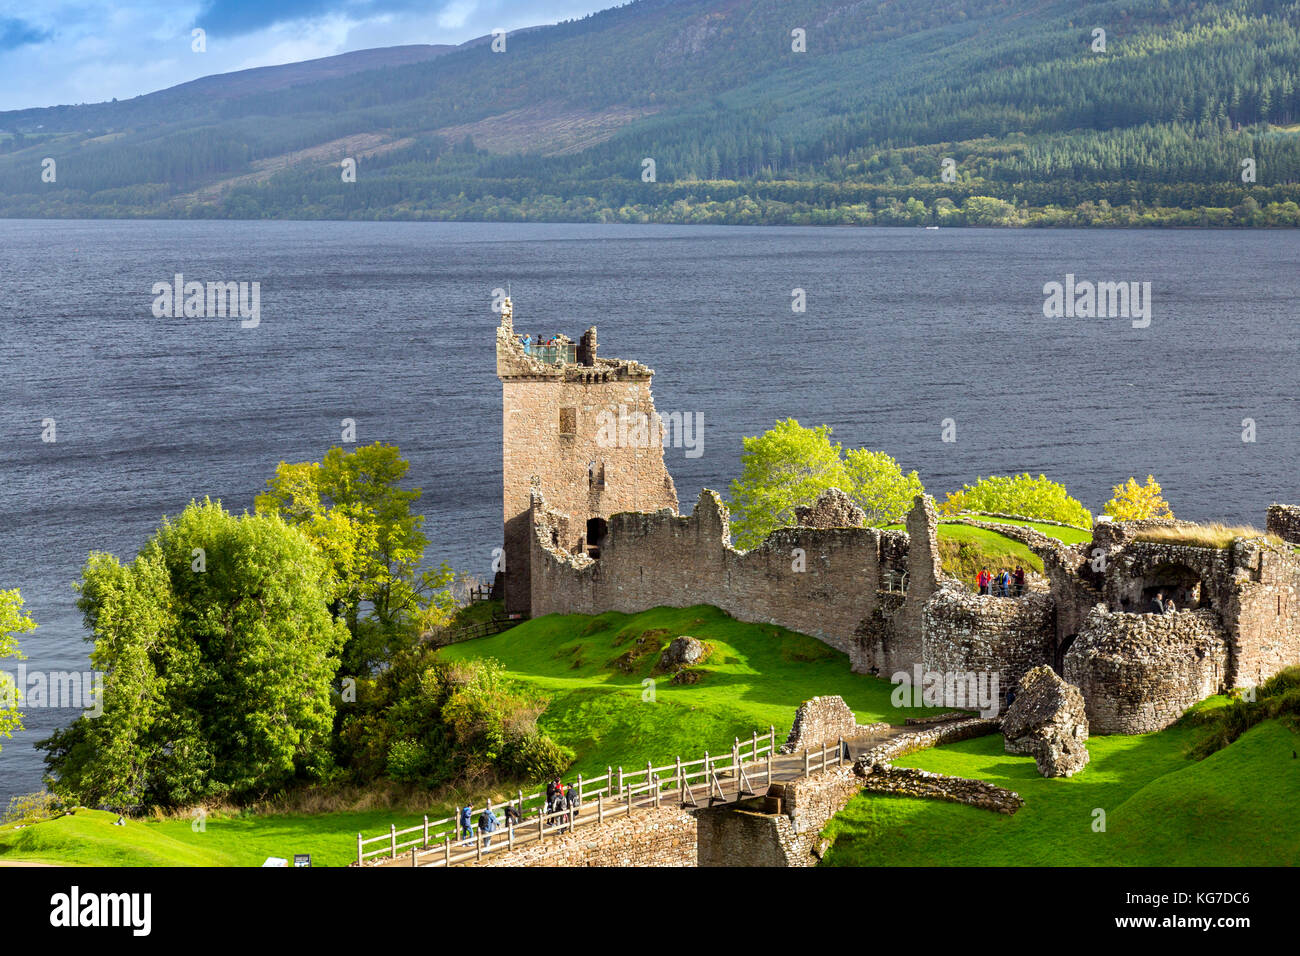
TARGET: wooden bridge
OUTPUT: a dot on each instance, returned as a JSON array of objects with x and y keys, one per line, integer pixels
[{"x": 747, "y": 772}]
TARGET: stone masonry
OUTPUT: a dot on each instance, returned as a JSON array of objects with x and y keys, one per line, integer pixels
[
  {"x": 591, "y": 525},
  {"x": 1140, "y": 672},
  {"x": 555, "y": 435},
  {"x": 1284, "y": 521},
  {"x": 823, "y": 721}
]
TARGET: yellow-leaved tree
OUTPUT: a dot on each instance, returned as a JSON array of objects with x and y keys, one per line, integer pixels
[{"x": 1134, "y": 502}]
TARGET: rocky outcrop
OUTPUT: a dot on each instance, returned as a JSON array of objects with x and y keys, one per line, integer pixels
[
  {"x": 1047, "y": 721},
  {"x": 684, "y": 651},
  {"x": 832, "y": 509}
]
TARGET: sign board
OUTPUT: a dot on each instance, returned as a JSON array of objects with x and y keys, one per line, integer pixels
[
  {"x": 275, "y": 861},
  {"x": 302, "y": 859}
]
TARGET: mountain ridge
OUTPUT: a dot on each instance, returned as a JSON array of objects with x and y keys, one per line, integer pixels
[{"x": 859, "y": 128}]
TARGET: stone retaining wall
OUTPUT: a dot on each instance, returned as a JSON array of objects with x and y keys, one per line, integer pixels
[{"x": 663, "y": 837}]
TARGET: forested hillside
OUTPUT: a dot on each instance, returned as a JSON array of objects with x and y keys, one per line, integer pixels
[{"x": 1042, "y": 121}]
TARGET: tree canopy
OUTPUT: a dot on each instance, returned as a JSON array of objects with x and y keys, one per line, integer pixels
[
  {"x": 12, "y": 623},
  {"x": 352, "y": 505},
  {"x": 790, "y": 465},
  {"x": 1135, "y": 502},
  {"x": 1020, "y": 495},
  {"x": 218, "y": 651}
]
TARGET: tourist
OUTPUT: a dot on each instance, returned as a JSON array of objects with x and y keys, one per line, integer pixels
[
  {"x": 528, "y": 344},
  {"x": 1169, "y": 606},
  {"x": 551, "y": 786},
  {"x": 1004, "y": 583},
  {"x": 572, "y": 800},
  {"x": 1158, "y": 603},
  {"x": 513, "y": 819},
  {"x": 1020, "y": 580},
  {"x": 467, "y": 824},
  {"x": 983, "y": 579},
  {"x": 487, "y": 823}
]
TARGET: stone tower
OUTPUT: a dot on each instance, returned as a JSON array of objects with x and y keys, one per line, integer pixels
[{"x": 583, "y": 430}]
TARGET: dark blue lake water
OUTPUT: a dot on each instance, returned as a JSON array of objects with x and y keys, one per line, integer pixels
[{"x": 390, "y": 324}]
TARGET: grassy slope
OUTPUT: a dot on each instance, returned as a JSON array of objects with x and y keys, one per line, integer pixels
[
  {"x": 1238, "y": 807},
  {"x": 756, "y": 676},
  {"x": 1059, "y": 532}
]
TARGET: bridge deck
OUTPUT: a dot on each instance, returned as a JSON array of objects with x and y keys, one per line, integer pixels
[{"x": 727, "y": 788}]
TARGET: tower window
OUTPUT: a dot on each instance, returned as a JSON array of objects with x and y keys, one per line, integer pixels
[{"x": 568, "y": 421}]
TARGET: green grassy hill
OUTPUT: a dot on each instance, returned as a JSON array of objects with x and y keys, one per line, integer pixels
[
  {"x": 1239, "y": 807},
  {"x": 855, "y": 128},
  {"x": 593, "y": 669}
]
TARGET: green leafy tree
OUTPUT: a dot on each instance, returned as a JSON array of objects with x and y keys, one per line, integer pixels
[
  {"x": 351, "y": 504},
  {"x": 12, "y": 623},
  {"x": 1021, "y": 495},
  {"x": 790, "y": 465},
  {"x": 877, "y": 484},
  {"x": 218, "y": 651}
]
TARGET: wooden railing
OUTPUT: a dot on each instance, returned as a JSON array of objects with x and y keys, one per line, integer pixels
[
  {"x": 472, "y": 631},
  {"x": 748, "y": 770}
]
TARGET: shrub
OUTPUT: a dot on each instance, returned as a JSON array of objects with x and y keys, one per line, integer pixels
[
  {"x": 1134, "y": 502},
  {"x": 1021, "y": 495}
]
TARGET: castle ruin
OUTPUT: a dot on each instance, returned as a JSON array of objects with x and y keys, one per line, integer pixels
[{"x": 592, "y": 526}]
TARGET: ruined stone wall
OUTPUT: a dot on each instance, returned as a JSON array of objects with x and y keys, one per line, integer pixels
[
  {"x": 1140, "y": 672},
  {"x": 652, "y": 560},
  {"x": 1284, "y": 521},
  {"x": 551, "y": 433},
  {"x": 889, "y": 639},
  {"x": 966, "y": 633},
  {"x": 822, "y": 721},
  {"x": 663, "y": 837},
  {"x": 1075, "y": 587},
  {"x": 1262, "y": 612},
  {"x": 931, "y": 736},
  {"x": 1253, "y": 586},
  {"x": 1141, "y": 565},
  {"x": 906, "y": 782}
]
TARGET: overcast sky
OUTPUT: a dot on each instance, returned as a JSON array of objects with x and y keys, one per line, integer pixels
[{"x": 85, "y": 51}]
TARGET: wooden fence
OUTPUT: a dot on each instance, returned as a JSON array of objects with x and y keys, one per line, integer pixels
[{"x": 748, "y": 770}]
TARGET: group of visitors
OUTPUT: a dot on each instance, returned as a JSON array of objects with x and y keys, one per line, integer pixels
[
  {"x": 541, "y": 343},
  {"x": 1003, "y": 584},
  {"x": 562, "y": 804},
  {"x": 1160, "y": 606},
  {"x": 561, "y": 809}
]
